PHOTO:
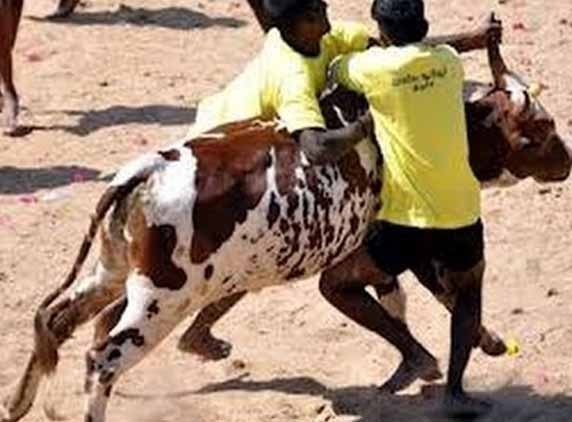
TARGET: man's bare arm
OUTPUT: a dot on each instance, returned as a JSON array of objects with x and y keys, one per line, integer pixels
[
  {"x": 478, "y": 39},
  {"x": 323, "y": 146}
]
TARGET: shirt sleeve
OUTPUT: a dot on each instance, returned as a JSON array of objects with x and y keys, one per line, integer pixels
[
  {"x": 355, "y": 71},
  {"x": 298, "y": 105},
  {"x": 348, "y": 37},
  {"x": 456, "y": 60}
]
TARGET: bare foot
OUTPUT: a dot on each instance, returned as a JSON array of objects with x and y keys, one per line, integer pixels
[
  {"x": 17, "y": 131},
  {"x": 205, "y": 345},
  {"x": 461, "y": 406},
  {"x": 409, "y": 371}
]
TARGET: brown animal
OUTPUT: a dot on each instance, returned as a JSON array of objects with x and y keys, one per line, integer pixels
[
  {"x": 240, "y": 209},
  {"x": 10, "y": 13}
]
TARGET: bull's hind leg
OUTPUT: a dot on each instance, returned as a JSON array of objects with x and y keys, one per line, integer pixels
[
  {"x": 344, "y": 287},
  {"x": 87, "y": 298},
  {"x": 148, "y": 317},
  {"x": 198, "y": 338}
]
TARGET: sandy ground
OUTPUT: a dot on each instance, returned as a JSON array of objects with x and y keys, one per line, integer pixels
[{"x": 121, "y": 79}]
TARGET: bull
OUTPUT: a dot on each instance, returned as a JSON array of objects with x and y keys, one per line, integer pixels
[{"x": 238, "y": 209}]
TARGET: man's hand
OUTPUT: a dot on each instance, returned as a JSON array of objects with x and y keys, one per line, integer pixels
[
  {"x": 323, "y": 146},
  {"x": 489, "y": 31}
]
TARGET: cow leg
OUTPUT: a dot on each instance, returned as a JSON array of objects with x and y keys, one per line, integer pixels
[
  {"x": 150, "y": 315},
  {"x": 198, "y": 338},
  {"x": 65, "y": 8},
  {"x": 87, "y": 298},
  {"x": 428, "y": 275},
  {"x": 344, "y": 287},
  {"x": 108, "y": 318},
  {"x": 465, "y": 325}
]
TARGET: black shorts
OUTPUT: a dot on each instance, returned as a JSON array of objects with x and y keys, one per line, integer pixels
[{"x": 397, "y": 248}]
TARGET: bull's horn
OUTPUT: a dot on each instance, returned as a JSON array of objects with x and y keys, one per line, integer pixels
[
  {"x": 496, "y": 62},
  {"x": 535, "y": 89}
]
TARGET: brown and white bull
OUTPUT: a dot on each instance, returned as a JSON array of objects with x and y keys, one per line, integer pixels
[
  {"x": 10, "y": 13},
  {"x": 240, "y": 209}
]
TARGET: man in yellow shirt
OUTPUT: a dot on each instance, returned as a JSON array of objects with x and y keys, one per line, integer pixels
[
  {"x": 430, "y": 197},
  {"x": 285, "y": 79}
]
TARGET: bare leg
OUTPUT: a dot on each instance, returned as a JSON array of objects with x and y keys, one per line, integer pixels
[
  {"x": 427, "y": 274},
  {"x": 9, "y": 20},
  {"x": 465, "y": 325},
  {"x": 198, "y": 338},
  {"x": 344, "y": 287},
  {"x": 65, "y": 8}
]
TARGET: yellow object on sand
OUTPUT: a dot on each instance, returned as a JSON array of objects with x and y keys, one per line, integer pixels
[{"x": 512, "y": 347}]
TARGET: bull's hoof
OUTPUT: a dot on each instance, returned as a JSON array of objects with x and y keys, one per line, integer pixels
[
  {"x": 493, "y": 345},
  {"x": 205, "y": 345},
  {"x": 409, "y": 371}
]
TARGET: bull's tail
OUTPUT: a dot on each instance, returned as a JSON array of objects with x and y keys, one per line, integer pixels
[{"x": 46, "y": 343}]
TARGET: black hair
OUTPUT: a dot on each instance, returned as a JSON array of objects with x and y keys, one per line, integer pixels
[
  {"x": 403, "y": 21},
  {"x": 284, "y": 10}
]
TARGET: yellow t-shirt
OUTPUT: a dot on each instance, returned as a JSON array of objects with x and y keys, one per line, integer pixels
[
  {"x": 415, "y": 97},
  {"x": 281, "y": 82}
]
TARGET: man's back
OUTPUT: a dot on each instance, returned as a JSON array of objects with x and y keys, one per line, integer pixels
[
  {"x": 281, "y": 82},
  {"x": 415, "y": 94}
]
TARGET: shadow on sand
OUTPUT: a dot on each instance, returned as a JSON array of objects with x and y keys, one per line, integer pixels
[
  {"x": 513, "y": 403},
  {"x": 170, "y": 17}
]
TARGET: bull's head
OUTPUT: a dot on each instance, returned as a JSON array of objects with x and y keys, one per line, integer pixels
[{"x": 512, "y": 110}]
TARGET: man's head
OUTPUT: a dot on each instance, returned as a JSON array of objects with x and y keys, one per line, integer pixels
[
  {"x": 400, "y": 22},
  {"x": 302, "y": 23}
]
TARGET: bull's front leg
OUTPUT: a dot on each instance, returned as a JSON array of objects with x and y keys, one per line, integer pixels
[{"x": 198, "y": 338}]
